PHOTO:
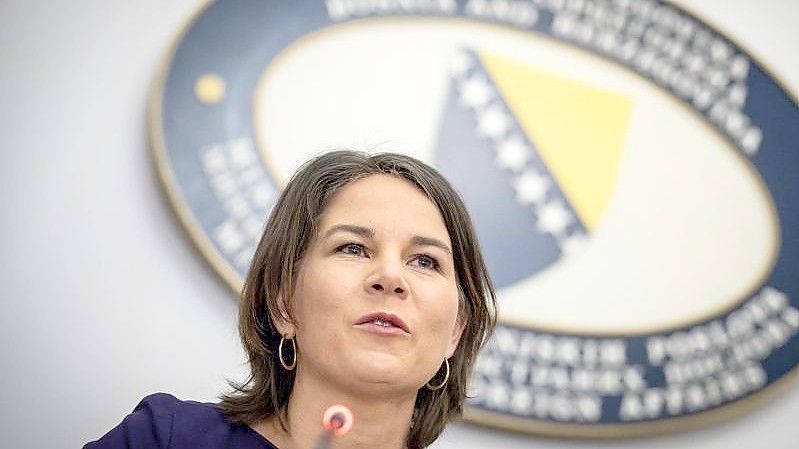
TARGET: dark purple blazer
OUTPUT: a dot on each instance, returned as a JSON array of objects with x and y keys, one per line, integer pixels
[{"x": 161, "y": 421}]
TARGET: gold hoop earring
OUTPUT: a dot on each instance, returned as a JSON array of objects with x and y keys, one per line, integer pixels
[
  {"x": 293, "y": 364},
  {"x": 444, "y": 382}
]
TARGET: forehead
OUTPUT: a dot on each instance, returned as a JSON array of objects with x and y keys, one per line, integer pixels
[{"x": 388, "y": 204}]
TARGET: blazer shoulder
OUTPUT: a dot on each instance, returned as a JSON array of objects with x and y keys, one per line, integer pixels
[{"x": 149, "y": 425}]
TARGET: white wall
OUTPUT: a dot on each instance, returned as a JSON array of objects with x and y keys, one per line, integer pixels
[{"x": 105, "y": 300}]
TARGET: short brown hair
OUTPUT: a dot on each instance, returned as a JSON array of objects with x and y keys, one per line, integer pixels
[{"x": 291, "y": 226}]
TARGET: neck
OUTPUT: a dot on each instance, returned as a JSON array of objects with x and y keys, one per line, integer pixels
[{"x": 380, "y": 420}]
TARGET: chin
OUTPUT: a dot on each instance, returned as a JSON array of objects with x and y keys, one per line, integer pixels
[{"x": 380, "y": 369}]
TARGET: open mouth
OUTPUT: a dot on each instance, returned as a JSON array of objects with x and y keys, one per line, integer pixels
[{"x": 384, "y": 321}]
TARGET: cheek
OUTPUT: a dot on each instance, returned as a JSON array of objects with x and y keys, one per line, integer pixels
[
  {"x": 308, "y": 299},
  {"x": 440, "y": 313},
  {"x": 317, "y": 299}
]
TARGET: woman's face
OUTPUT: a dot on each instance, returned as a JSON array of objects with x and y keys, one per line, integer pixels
[{"x": 376, "y": 300}]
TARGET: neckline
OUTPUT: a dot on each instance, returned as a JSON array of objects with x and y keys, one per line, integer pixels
[{"x": 260, "y": 437}]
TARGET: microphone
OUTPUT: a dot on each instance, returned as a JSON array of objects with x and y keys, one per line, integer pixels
[{"x": 337, "y": 420}]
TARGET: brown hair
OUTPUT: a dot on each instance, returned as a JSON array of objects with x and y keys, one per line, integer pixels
[{"x": 291, "y": 227}]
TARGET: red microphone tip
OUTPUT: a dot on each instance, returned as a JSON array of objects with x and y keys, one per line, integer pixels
[{"x": 339, "y": 418}]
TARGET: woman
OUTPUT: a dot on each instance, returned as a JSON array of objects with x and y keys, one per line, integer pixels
[{"x": 367, "y": 289}]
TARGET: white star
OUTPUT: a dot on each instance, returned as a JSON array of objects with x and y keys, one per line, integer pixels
[
  {"x": 493, "y": 122},
  {"x": 513, "y": 154},
  {"x": 573, "y": 243},
  {"x": 531, "y": 187},
  {"x": 553, "y": 218},
  {"x": 460, "y": 63},
  {"x": 475, "y": 92}
]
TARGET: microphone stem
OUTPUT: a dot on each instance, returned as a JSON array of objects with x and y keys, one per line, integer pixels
[{"x": 324, "y": 440}]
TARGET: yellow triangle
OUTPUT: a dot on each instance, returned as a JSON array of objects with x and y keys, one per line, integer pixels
[{"x": 578, "y": 129}]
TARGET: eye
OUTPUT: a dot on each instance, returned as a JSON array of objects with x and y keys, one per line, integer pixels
[
  {"x": 354, "y": 249},
  {"x": 425, "y": 261}
]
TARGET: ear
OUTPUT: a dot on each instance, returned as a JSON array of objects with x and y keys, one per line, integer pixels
[
  {"x": 282, "y": 321},
  {"x": 457, "y": 331}
]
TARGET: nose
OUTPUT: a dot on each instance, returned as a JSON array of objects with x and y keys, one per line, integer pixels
[{"x": 387, "y": 278}]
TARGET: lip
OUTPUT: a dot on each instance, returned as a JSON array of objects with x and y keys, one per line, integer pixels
[{"x": 399, "y": 326}]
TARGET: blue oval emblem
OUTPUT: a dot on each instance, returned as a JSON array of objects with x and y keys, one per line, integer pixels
[{"x": 630, "y": 172}]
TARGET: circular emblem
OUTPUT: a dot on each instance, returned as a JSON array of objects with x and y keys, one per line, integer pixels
[{"x": 629, "y": 170}]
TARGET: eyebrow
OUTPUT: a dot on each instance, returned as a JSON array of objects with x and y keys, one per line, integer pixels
[
  {"x": 352, "y": 229},
  {"x": 416, "y": 240}
]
